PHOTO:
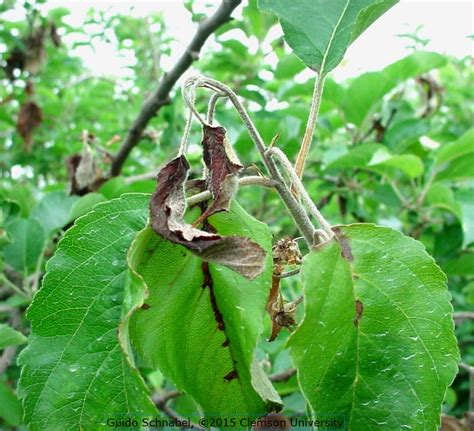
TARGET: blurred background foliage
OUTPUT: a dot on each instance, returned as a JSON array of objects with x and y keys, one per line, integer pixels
[{"x": 393, "y": 147}]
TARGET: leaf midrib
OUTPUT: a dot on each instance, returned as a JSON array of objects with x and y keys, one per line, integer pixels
[{"x": 333, "y": 35}]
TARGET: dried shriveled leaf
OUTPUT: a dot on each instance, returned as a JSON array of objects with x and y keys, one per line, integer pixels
[
  {"x": 35, "y": 49},
  {"x": 29, "y": 118},
  {"x": 83, "y": 173},
  {"x": 167, "y": 208},
  {"x": 54, "y": 35},
  {"x": 223, "y": 166},
  {"x": 16, "y": 60}
]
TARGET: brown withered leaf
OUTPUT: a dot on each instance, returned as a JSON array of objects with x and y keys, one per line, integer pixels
[
  {"x": 83, "y": 172},
  {"x": 16, "y": 60},
  {"x": 35, "y": 49},
  {"x": 54, "y": 35},
  {"x": 223, "y": 168},
  {"x": 29, "y": 118},
  {"x": 167, "y": 209}
]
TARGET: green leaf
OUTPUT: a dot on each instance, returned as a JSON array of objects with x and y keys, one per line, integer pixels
[
  {"x": 459, "y": 148},
  {"x": 357, "y": 157},
  {"x": 376, "y": 345},
  {"x": 402, "y": 134},
  {"x": 465, "y": 198},
  {"x": 52, "y": 212},
  {"x": 9, "y": 211},
  {"x": 377, "y": 158},
  {"x": 288, "y": 67},
  {"x": 456, "y": 159},
  {"x": 26, "y": 246},
  {"x": 461, "y": 265},
  {"x": 10, "y": 337},
  {"x": 408, "y": 163},
  {"x": 319, "y": 32},
  {"x": 459, "y": 168},
  {"x": 441, "y": 196},
  {"x": 258, "y": 24},
  {"x": 210, "y": 312},
  {"x": 10, "y": 406},
  {"x": 75, "y": 374},
  {"x": 85, "y": 204},
  {"x": 367, "y": 90}
]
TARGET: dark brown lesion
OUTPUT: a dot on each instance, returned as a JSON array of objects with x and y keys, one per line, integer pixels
[
  {"x": 145, "y": 306},
  {"x": 231, "y": 376},
  {"x": 346, "y": 249},
  {"x": 208, "y": 283},
  {"x": 359, "y": 306}
]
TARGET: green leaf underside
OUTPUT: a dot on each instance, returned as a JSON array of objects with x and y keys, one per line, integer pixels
[
  {"x": 201, "y": 322},
  {"x": 75, "y": 374},
  {"x": 387, "y": 362},
  {"x": 319, "y": 32}
]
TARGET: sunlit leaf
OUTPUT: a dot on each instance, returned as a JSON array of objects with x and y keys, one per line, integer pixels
[
  {"x": 75, "y": 374},
  {"x": 212, "y": 313},
  {"x": 376, "y": 346},
  {"x": 319, "y": 32}
]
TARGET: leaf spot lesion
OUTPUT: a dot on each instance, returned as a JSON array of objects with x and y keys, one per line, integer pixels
[{"x": 359, "y": 307}]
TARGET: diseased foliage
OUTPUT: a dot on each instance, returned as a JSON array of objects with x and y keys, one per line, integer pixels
[{"x": 181, "y": 287}]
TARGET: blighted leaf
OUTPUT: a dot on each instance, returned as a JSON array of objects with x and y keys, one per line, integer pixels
[
  {"x": 35, "y": 49},
  {"x": 83, "y": 173},
  {"x": 167, "y": 208},
  {"x": 285, "y": 252},
  {"x": 223, "y": 167},
  {"x": 320, "y": 31},
  {"x": 377, "y": 344},
  {"x": 54, "y": 35},
  {"x": 74, "y": 372},
  {"x": 29, "y": 118},
  {"x": 211, "y": 313}
]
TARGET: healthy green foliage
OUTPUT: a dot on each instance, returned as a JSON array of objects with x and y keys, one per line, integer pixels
[
  {"x": 75, "y": 374},
  {"x": 10, "y": 406},
  {"x": 319, "y": 32},
  {"x": 27, "y": 244},
  {"x": 376, "y": 345},
  {"x": 209, "y": 312},
  {"x": 367, "y": 90},
  {"x": 53, "y": 211},
  {"x": 10, "y": 337},
  {"x": 456, "y": 159}
]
